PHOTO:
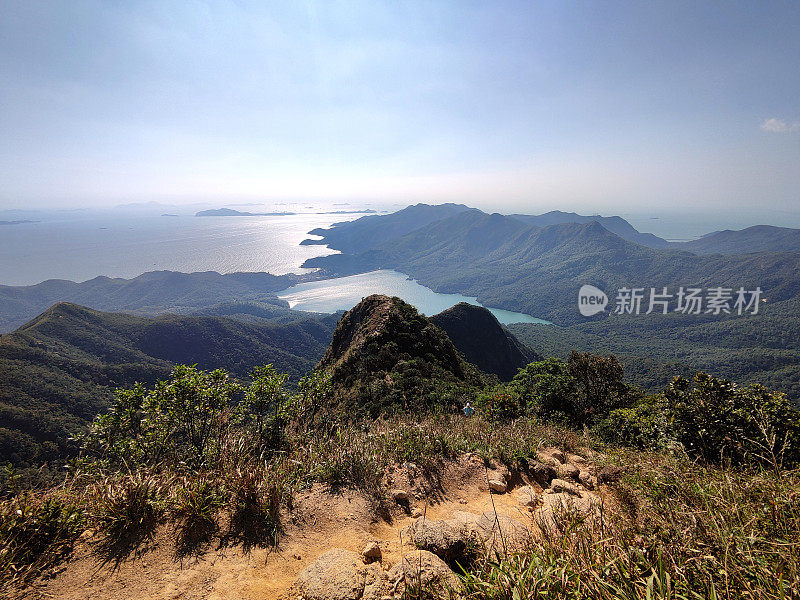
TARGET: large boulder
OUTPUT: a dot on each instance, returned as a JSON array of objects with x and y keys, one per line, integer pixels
[
  {"x": 446, "y": 540},
  {"x": 497, "y": 530},
  {"x": 422, "y": 570},
  {"x": 341, "y": 575}
]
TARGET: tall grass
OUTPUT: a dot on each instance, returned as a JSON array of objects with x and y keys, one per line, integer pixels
[{"x": 677, "y": 529}]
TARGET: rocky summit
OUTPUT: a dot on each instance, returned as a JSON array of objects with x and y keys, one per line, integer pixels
[{"x": 386, "y": 355}]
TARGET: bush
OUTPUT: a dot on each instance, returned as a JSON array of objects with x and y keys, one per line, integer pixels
[
  {"x": 35, "y": 534},
  {"x": 644, "y": 425},
  {"x": 579, "y": 391},
  {"x": 718, "y": 421}
]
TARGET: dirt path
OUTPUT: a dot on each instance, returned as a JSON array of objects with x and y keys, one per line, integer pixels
[{"x": 321, "y": 519}]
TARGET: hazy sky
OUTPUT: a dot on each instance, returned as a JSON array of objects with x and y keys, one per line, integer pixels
[{"x": 531, "y": 105}]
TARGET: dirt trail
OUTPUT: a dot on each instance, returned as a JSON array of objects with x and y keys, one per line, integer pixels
[{"x": 321, "y": 519}]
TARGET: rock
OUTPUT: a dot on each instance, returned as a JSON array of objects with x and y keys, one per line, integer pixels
[
  {"x": 609, "y": 474},
  {"x": 542, "y": 473},
  {"x": 558, "y": 486},
  {"x": 576, "y": 460},
  {"x": 586, "y": 479},
  {"x": 371, "y": 552},
  {"x": 416, "y": 513},
  {"x": 497, "y": 529},
  {"x": 422, "y": 569},
  {"x": 497, "y": 486},
  {"x": 528, "y": 496},
  {"x": 340, "y": 575},
  {"x": 498, "y": 471},
  {"x": 445, "y": 539},
  {"x": 561, "y": 502},
  {"x": 399, "y": 496},
  {"x": 567, "y": 471},
  {"x": 548, "y": 455}
]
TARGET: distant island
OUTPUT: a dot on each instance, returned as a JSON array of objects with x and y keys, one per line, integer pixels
[
  {"x": 16, "y": 222},
  {"x": 229, "y": 212},
  {"x": 169, "y": 215}
]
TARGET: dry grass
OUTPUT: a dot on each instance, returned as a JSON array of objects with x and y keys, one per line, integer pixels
[{"x": 687, "y": 531}]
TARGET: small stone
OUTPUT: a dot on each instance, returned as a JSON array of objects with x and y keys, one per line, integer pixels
[
  {"x": 416, "y": 513},
  {"x": 567, "y": 471},
  {"x": 586, "y": 479},
  {"x": 399, "y": 495},
  {"x": 527, "y": 496},
  {"x": 559, "y": 485},
  {"x": 371, "y": 552},
  {"x": 497, "y": 486}
]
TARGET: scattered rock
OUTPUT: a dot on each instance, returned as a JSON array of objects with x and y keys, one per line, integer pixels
[
  {"x": 497, "y": 486},
  {"x": 340, "y": 575},
  {"x": 497, "y": 529},
  {"x": 542, "y": 473},
  {"x": 498, "y": 471},
  {"x": 609, "y": 474},
  {"x": 371, "y": 552},
  {"x": 586, "y": 479},
  {"x": 421, "y": 569},
  {"x": 576, "y": 460},
  {"x": 445, "y": 539},
  {"x": 566, "y": 502},
  {"x": 558, "y": 486},
  {"x": 416, "y": 513},
  {"x": 550, "y": 455},
  {"x": 528, "y": 496},
  {"x": 399, "y": 496},
  {"x": 567, "y": 471}
]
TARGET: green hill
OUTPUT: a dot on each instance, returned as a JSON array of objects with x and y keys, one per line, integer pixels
[
  {"x": 483, "y": 341},
  {"x": 385, "y": 356},
  {"x": 156, "y": 292},
  {"x": 59, "y": 370}
]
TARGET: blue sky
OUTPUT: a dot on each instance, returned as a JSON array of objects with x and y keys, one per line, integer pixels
[{"x": 514, "y": 106}]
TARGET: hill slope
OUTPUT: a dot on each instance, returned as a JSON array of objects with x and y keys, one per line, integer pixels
[
  {"x": 616, "y": 225},
  {"x": 759, "y": 238},
  {"x": 152, "y": 293},
  {"x": 59, "y": 370},
  {"x": 385, "y": 355},
  {"x": 483, "y": 341},
  {"x": 352, "y": 237}
]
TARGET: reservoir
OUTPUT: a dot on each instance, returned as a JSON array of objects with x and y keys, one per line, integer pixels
[{"x": 343, "y": 293}]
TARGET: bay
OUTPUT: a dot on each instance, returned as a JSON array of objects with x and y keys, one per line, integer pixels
[{"x": 342, "y": 293}]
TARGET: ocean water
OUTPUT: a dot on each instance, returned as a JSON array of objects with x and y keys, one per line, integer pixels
[
  {"x": 83, "y": 246},
  {"x": 343, "y": 293}
]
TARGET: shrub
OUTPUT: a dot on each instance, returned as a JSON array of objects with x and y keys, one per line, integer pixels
[
  {"x": 546, "y": 389},
  {"x": 181, "y": 419},
  {"x": 718, "y": 421},
  {"x": 35, "y": 533},
  {"x": 645, "y": 425}
]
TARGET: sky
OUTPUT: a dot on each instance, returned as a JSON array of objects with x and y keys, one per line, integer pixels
[{"x": 514, "y": 106}]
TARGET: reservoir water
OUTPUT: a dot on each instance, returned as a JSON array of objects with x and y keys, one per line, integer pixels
[{"x": 342, "y": 293}]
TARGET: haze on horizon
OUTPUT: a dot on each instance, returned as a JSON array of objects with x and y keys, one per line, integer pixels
[{"x": 513, "y": 106}]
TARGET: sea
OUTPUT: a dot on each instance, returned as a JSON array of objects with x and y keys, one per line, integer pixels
[{"x": 79, "y": 245}]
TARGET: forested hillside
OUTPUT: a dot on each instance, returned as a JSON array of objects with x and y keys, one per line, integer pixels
[{"x": 59, "y": 370}]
